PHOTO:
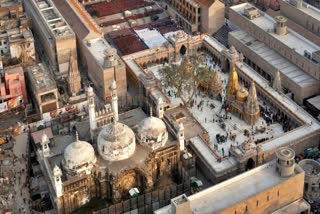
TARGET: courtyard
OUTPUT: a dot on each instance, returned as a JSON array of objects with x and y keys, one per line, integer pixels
[{"x": 224, "y": 128}]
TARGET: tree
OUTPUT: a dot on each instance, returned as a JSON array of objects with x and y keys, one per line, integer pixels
[{"x": 186, "y": 77}]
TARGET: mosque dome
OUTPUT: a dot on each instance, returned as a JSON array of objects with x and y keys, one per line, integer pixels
[
  {"x": 152, "y": 133},
  {"x": 242, "y": 94},
  {"x": 116, "y": 142},
  {"x": 79, "y": 156}
]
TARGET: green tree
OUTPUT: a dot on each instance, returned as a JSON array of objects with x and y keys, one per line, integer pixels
[{"x": 186, "y": 77}]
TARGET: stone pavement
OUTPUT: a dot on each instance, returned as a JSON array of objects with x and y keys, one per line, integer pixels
[{"x": 22, "y": 195}]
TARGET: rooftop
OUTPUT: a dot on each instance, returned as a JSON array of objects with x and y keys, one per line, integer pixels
[
  {"x": 308, "y": 10},
  {"x": 266, "y": 23},
  {"x": 315, "y": 101},
  {"x": 285, "y": 67},
  {"x": 235, "y": 190},
  {"x": 152, "y": 38},
  {"x": 8, "y": 3},
  {"x": 53, "y": 18},
  {"x": 98, "y": 47},
  {"x": 41, "y": 78}
]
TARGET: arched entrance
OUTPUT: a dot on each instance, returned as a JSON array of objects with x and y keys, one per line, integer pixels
[
  {"x": 250, "y": 164},
  {"x": 183, "y": 50}
]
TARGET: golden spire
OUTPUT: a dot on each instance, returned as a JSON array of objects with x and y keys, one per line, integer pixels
[
  {"x": 242, "y": 94},
  {"x": 233, "y": 84}
]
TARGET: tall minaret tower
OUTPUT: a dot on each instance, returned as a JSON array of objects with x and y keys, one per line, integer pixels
[
  {"x": 114, "y": 101},
  {"x": 181, "y": 137},
  {"x": 92, "y": 111},
  {"x": 57, "y": 173}
]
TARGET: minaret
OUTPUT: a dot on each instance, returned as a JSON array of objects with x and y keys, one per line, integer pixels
[
  {"x": 160, "y": 108},
  {"x": 251, "y": 107},
  {"x": 74, "y": 78},
  {"x": 92, "y": 111},
  {"x": 181, "y": 137},
  {"x": 57, "y": 173},
  {"x": 233, "y": 83},
  {"x": 277, "y": 82},
  {"x": 45, "y": 145},
  {"x": 114, "y": 101}
]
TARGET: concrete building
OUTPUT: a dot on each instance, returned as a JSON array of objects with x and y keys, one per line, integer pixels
[
  {"x": 104, "y": 65},
  {"x": 16, "y": 39},
  {"x": 11, "y": 8},
  {"x": 268, "y": 46},
  {"x": 312, "y": 180},
  {"x": 13, "y": 84},
  {"x": 101, "y": 61},
  {"x": 303, "y": 14},
  {"x": 197, "y": 15},
  {"x": 42, "y": 88},
  {"x": 57, "y": 39},
  {"x": 265, "y": 189}
]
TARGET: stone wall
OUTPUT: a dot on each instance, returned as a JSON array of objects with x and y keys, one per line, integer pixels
[
  {"x": 271, "y": 199},
  {"x": 299, "y": 17}
]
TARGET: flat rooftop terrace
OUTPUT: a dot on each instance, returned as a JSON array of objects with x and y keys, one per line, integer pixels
[
  {"x": 285, "y": 67},
  {"x": 98, "y": 47},
  {"x": 308, "y": 9},
  {"x": 8, "y": 3},
  {"x": 101, "y": 9},
  {"x": 53, "y": 18},
  {"x": 266, "y": 23},
  {"x": 41, "y": 78},
  {"x": 235, "y": 190}
]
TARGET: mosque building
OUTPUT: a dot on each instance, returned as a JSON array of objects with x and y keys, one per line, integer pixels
[{"x": 125, "y": 154}]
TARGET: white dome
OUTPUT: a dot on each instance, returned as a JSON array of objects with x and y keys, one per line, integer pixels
[
  {"x": 79, "y": 156},
  {"x": 152, "y": 132},
  {"x": 116, "y": 142}
]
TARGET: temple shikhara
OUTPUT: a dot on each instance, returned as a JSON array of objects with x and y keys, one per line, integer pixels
[{"x": 241, "y": 102}]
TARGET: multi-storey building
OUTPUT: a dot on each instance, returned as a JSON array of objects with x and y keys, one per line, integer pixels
[
  {"x": 268, "y": 46},
  {"x": 57, "y": 39},
  {"x": 104, "y": 65},
  {"x": 197, "y": 15},
  {"x": 276, "y": 187},
  {"x": 43, "y": 88},
  {"x": 303, "y": 14},
  {"x": 16, "y": 39},
  {"x": 13, "y": 86}
]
